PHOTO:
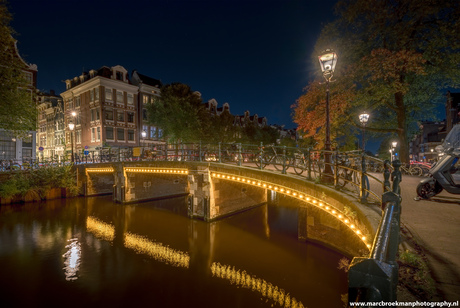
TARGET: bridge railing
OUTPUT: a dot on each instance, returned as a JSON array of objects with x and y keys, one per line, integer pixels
[
  {"x": 352, "y": 172},
  {"x": 375, "y": 278}
]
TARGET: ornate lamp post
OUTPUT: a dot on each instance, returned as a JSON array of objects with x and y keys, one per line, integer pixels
[
  {"x": 328, "y": 61},
  {"x": 363, "y": 118},
  {"x": 71, "y": 128}
]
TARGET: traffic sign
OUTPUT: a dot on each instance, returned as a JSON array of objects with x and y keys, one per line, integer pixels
[
  {"x": 86, "y": 152},
  {"x": 40, "y": 148},
  {"x": 86, "y": 147}
]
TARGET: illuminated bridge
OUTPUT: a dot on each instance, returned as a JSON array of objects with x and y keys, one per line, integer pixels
[{"x": 217, "y": 190}]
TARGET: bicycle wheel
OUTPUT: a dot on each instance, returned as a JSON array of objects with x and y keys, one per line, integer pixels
[
  {"x": 278, "y": 163},
  {"x": 299, "y": 165},
  {"x": 357, "y": 183},
  {"x": 415, "y": 170}
]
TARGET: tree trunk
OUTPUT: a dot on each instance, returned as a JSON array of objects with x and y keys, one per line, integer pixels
[{"x": 402, "y": 128}]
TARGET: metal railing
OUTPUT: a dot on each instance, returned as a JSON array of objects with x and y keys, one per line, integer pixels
[
  {"x": 352, "y": 172},
  {"x": 375, "y": 279}
]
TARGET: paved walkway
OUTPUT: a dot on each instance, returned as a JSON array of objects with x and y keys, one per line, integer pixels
[{"x": 435, "y": 224}]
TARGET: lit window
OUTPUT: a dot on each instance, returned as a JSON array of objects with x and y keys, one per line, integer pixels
[
  {"x": 93, "y": 134},
  {"x": 130, "y": 98}
]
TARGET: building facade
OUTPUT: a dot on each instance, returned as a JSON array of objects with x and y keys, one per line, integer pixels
[
  {"x": 148, "y": 92},
  {"x": 50, "y": 126},
  {"x": 13, "y": 148},
  {"x": 105, "y": 104}
]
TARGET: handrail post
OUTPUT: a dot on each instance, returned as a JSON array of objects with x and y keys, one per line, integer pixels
[
  {"x": 261, "y": 156},
  {"x": 309, "y": 163},
  {"x": 386, "y": 176},
  {"x": 284, "y": 160},
  {"x": 220, "y": 154},
  {"x": 396, "y": 176},
  {"x": 362, "y": 185},
  {"x": 336, "y": 169},
  {"x": 239, "y": 154}
]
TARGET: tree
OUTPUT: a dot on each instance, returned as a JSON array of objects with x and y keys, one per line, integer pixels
[
  {"x": 310, "y": 112},
  {"x": 179, "y": 113},
  {"x": 399, "y": 55},
  {"x": 17, "y": 110}
]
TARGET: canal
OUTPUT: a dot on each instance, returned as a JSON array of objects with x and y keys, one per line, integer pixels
[{"x": 87, "y": 252}]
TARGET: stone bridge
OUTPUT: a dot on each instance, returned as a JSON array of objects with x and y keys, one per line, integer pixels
[{"x": 217, "y": 190}]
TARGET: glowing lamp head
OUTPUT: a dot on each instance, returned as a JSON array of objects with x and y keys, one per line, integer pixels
[
  {"x": 144, "y": 134},
  {"x": 328, "y": 61},
  {"x": 71, "y": 126},
  {"x": 364, "y": 118}
]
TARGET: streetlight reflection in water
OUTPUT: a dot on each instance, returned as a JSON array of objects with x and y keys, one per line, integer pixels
[{"x": 72, "y": 259}]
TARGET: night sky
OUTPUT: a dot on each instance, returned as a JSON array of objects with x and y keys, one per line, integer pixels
[{"x": 255, "y": 55}]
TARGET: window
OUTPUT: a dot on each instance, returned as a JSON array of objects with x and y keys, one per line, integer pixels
[
  {"x": 119, "y": 75},
  {"x": 130, "y": 135},
  {"x": 93, "y": 114},
  {"x": 120, "y": 116},
  {"x": 98, "y": 116},
  {"x": 145, "y": 99},
  {"x": 77, "y": 101},
  {"x": 93, "y": 134},
  {"x": 131, "y": 117},
  {"x": 120, "y": 97},
  {"x": 78, "y": 136},
  {"x": 108, "y": 94},
  {"x": 130, "y": 99},
  {"x": 98, "y": 137},
  {"x": 29, "y": 78},
  {"x": 120, "y": 134},
  {"x": 144, "y": 114},
  {"x": 108, "y": 114},
  {"x": 160, "y": 133},
  {"x": 91, "y": 96},
  {"x": 96, "y": 94},
  {"x": 153, "y": 131},
  {"x": 109, "y": 133}
]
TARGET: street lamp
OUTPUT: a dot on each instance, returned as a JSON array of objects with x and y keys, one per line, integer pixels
[
  {"x": 394, "y": 144},
  {"x": 328, "y": 61},
  {"x": 363, "y": 118},
  {"x": 71, "y": 127}
]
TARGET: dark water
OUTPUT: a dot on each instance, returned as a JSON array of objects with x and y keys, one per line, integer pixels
[{"x": 94, "y": 253}]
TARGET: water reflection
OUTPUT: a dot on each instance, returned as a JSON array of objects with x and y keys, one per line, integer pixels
[
  {"x": 72, "y": 259},
  {"x": 100, "y": 229},
  {"x": 111, "y": 251},
  {"x": 251, "y": 282}
]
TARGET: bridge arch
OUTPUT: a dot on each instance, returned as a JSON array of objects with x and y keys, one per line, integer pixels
[{"x": 325, "y": 215}]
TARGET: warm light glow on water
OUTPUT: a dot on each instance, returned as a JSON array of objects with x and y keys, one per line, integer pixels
[
  {"x": 157, "y": 251},
  {"x": 251, "y": 282},
  {"x": 100, "y": 229},
  {"x": 92, "y": 252}
]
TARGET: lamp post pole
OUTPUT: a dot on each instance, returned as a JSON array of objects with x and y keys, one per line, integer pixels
[
  {"x": 363, "y": 118},
  {"x": 328, "y": 61},
  {"x": 71, "y": 128}
]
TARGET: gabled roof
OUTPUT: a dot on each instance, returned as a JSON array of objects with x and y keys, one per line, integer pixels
[{"x": 149, "y": 80}]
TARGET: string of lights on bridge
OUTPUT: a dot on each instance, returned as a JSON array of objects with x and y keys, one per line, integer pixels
[
  {"x": 328, "y": 208},
  {"x": 342, "y": 217}
]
